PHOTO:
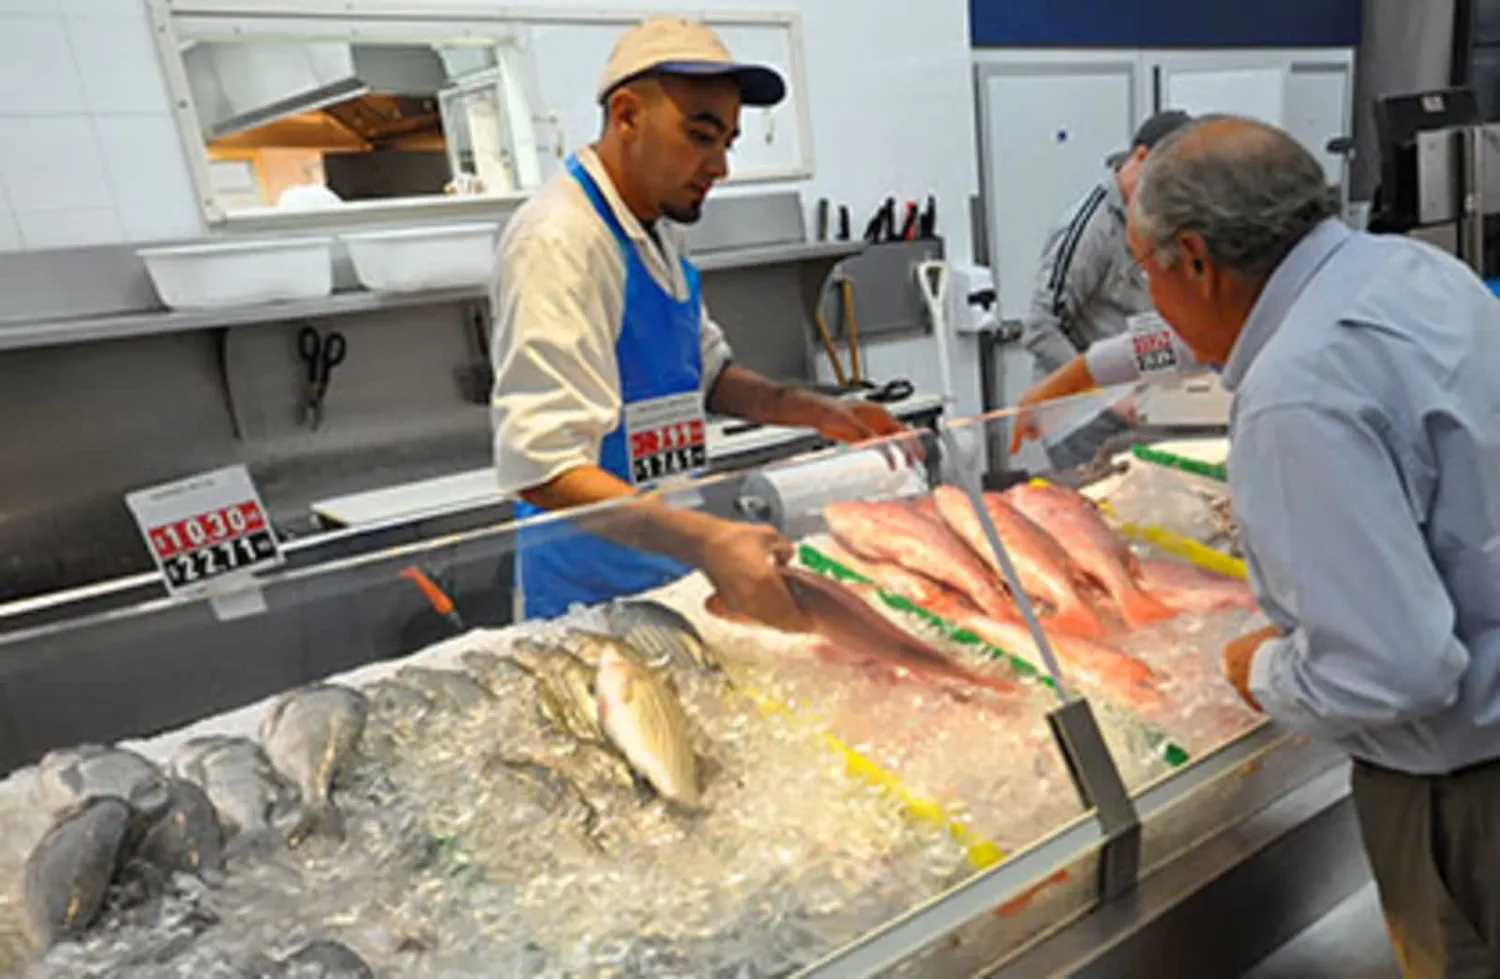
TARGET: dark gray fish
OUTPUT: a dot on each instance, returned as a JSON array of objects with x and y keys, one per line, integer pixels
[
  {"x": 69, "y": 776},
  {"x": 238, "y": 779},
  {"x": 311, "y": 735},
  {"x": 451, "y": 690},
  {"x": 68, "y": 872},
  {"x": 187, "y": 838},
  {"x": 661, "y": 634}
]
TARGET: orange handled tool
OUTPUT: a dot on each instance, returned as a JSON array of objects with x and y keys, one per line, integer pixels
[{"x": 441, "y": 603}]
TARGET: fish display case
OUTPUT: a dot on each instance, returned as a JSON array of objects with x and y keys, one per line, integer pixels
[{"x": 993, "y": 723}]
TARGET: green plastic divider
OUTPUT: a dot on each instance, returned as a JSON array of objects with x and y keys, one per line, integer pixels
[
  {"x": 1211, "y": 470},
  {"x": 1172, "y": 753}
]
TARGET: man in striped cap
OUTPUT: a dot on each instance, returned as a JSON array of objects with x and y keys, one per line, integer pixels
[{"x": 1089, "y": 287}]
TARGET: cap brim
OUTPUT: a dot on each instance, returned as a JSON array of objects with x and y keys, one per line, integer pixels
[{"x": 759, "y": 85}]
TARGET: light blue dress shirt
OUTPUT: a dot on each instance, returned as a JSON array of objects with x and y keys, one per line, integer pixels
[{"x": 1365, "y": 471}]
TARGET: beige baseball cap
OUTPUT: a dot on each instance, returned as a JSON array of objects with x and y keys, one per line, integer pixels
[{"x": 674, "y": 46}]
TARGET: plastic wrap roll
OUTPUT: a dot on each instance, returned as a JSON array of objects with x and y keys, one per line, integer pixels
[{"x": 787, "y": 495}]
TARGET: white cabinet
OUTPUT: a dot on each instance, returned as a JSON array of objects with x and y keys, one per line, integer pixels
[
  {"x": 1047, "y": 122},
  {"x": 1306, "y": 91},
  {"x": 1049, "y": 118}
]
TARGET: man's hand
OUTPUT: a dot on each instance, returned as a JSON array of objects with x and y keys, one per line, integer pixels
[
  {"x": 855, "y": 420},
  {"x": 1237, "y": 657},
  {"x": 1069, "y": 379},
  {"x": 743, "y": 561}
]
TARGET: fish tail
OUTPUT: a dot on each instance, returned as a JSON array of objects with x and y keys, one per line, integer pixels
[
  {"x": 1141, "y": 608},
  {"x": 322, "y": 819}
]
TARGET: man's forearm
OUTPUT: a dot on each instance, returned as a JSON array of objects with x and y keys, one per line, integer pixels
[
  {"x": 643, "y": 522},
  {"x": 745, "y": 394}
]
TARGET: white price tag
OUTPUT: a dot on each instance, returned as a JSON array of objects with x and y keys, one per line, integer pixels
[
  {"x": 207, "y": 533},
  {"x": 666, "y": 437}
]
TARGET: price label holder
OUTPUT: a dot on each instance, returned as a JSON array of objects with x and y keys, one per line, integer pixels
[{"x": 209, "y": 535}]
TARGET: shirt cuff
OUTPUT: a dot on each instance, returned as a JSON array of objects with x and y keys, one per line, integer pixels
[{"x": 1265, "y": 664}]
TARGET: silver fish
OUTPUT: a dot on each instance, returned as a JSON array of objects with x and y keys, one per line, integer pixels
[
  {"x": 643, "y": 719},
  {"x": 566, "y": 686},
  {"x": 501, "y": 674},
  {"x": 663, "y": 635},
  {"x": 447, "y": 689},
  {"x": 187, "y": 838},
  {"x": 68, "y": 873},
  {"x": 310, "y": 735},
  {"x": 68, "y": 777},
  {"x": 238, "y": 779}
]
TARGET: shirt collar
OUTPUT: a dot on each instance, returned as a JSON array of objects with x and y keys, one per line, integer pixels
[
  {"x": 1113, "y": 195},
  {"x": 589, "y": 160},
  {"x": 1282, "y": 289}
]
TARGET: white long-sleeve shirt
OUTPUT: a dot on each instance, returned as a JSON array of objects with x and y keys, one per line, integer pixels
[{"x": 558, "y": 301}]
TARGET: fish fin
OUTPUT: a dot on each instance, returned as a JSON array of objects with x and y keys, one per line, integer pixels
[{"x": 317, "y": 820}]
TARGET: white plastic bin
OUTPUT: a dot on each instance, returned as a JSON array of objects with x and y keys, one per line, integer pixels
[
  {"x": 240, "y": 273},
  {"x": 452, "y": 256}
]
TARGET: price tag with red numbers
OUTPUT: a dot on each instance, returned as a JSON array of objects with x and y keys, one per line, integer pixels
[
  {"x": 666, "y": 437},
  {"x": 206, "y": 531}
]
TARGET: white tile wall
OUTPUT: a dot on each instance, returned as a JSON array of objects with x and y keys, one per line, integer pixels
[
  {"x": 69, "y": 227},
  {"x": 89, "y": 153},
  {"x": 117, "y": 58}
]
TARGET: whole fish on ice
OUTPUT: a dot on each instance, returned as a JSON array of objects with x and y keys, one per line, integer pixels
[
  {"x": 853, "y": 631},
  {"x": 68, "y": 872},
  {"x": 310, "y": 735},
  {"x": 1074, "y": 521},
  {"x": 238, "y": 779},
  {"x": 643, "y": 719},
  {"x": 895, "y": 532},
  {"x": 1043, "y": 567},
  {"x": 888, "y": 577},
  {"x": 69, "y": 776},
  {"x": 565, "y": 684},
  {"x": 188, "y": 838},
  {"x": 1193, "y": 589},
  {"x": 452, "y": 690}
]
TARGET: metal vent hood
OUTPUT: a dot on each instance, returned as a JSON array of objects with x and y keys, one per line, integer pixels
[{"x": 239, "y": 86}]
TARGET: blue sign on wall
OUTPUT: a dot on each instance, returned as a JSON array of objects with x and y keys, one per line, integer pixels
[{"x": 1165, "y": 23}]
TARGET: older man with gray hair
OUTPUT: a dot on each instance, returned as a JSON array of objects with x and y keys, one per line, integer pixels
[{"x": 1365, "y": 471}]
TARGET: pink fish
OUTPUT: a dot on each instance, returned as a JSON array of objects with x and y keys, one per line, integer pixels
[
  {"x": 1113, "y": 672},
  {"x": 1190, "y": 588},
  {"x": 893, "y": 532},
  {"x": 1043, "y": 567},
  {"x": 1074, "y": 521},
  {"x": 887, "y": 577}
]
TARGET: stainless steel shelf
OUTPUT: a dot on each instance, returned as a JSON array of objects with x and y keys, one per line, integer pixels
[{"x": 89, "y": 329}]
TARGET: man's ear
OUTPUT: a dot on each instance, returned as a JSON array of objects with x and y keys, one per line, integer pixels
[
  {"x": 624, "y": 108},
  {"x": 1197, "y": 264}
]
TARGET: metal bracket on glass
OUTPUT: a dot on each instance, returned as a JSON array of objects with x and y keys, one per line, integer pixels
[
  {"x": 1100, "y": 788},
  {"x": 1090, "y": 764}
]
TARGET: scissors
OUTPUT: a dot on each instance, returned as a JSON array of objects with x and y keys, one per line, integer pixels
[{"x": 322, "y": 355}]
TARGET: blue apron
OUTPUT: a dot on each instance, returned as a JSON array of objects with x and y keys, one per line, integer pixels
[{"x": 659, "y": 355}]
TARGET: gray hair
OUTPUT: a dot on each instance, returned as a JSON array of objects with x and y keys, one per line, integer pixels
[{"x": 1251, "y": 195}]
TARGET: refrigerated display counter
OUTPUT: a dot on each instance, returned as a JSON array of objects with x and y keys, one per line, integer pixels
[{"x": 970, "y": 759}]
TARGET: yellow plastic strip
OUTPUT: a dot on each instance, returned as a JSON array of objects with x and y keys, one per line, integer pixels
[
  {"x": 1174, "y": 543},
  {"x": 981, "y": 853}
]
